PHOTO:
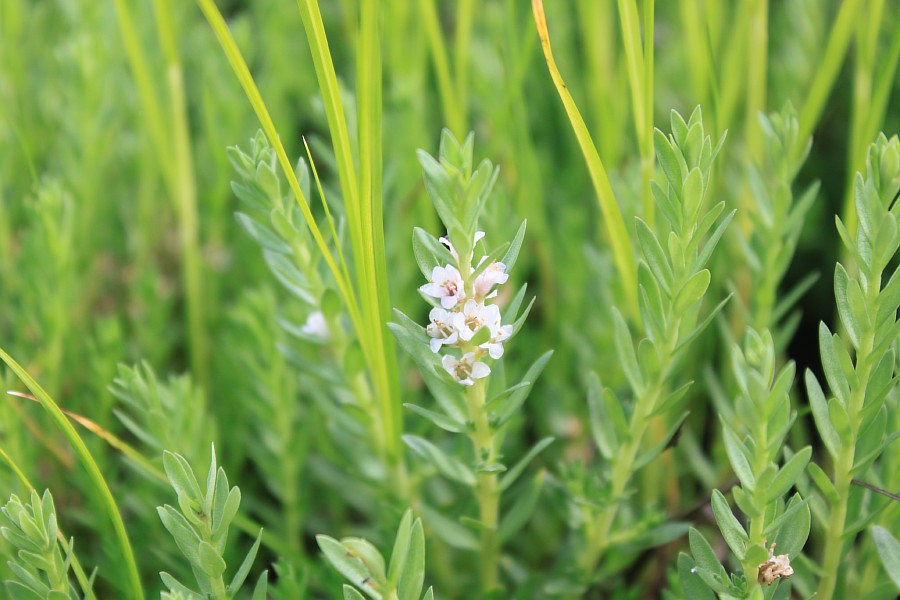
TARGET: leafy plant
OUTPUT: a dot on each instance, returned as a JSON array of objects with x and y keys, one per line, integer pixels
[
  {"x": 200, "y": 529},
  {"x": 364, "y": 566},
  {"x": 43, "y": 556}
]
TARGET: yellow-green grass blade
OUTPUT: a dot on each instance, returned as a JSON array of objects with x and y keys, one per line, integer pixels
[
  {"x": 90, "y": 466},
  {"x": 620, "y": 241}
]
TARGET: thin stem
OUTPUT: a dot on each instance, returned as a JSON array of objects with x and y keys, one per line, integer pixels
[
  {"x": 622, "y": 469},
  {"x": 487, "y": 489}
]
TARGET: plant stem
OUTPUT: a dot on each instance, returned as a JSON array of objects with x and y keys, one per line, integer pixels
[
  {"x": 487, "y": 489},
  {"x": 843, "y": 464},
  {"x": 622, "y": 470},
  {"x": 757, "y": 523}
]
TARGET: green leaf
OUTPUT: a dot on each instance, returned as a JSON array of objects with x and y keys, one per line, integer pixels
[
  {"x": 449, "y": 466},
  {"x": 429, "y": 252},
  {"x": 645, "y": 457},
  {"x": 693, "y": 584},
  {"x": 830, "y": 346},
  {"x": 837, "y": 414},
  {"x": 261, "y": 234},
  {"x": 625, "y": 351},
  {"x": 241, "y": 574},
  {"x": 737, "y": 458},
  {"x": 672, "y": 399},
  {"x": 210, "y": 561},
  {"x": 449, "y": 530},
  {"x": 510, "y": 477},
  {"x": 788, "y": 474},
  {"x": 654, "y": 254},
  {"x": 17, "y": 591},
  {"x": 602, "y": 428},
  {"x": 731, "y": 529},
  {"x": 350, "y": 593},
  {"x": 692, "y": 194},
  {"x": 789, "y": 513},
  {"x": 503, "y": 409},
  {"x": 705, "y": 556},
  {"x": 863, "y": 462},
  {"x": 683, "y": 342},
  {"x": 889, "y": 552},
  {"x": 261, "y": 588},
  {"x": 400, "y": 552},
  {"x": 819, "y": 407},
  {"x": 346, "y": 564},
  {"x": 668, "y": 159},
  {"x": 711, "y": 243},
  {"x": 692, "y": 291},
  {"x": 290, "y": 277},
  {"x": 823, "y": 483},
  {"x": 512, "y": 253},
  {"x": 757, "y": 554},
  {"x": 792, "y": 535},
  {"x": 185, "y": 536},
  {"x": 744, "y": 501},
  {"x": 520, "y": 512},
  {"x": 851, "y": 305},
  {"x": 181, "y": 476},
  {"x": 412, "y": 575},
  {"x": 441, "y": 420},
  {"x": 370, "y": 557}
]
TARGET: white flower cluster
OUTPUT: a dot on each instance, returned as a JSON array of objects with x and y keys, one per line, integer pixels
[{"x": 463, "y": 314}]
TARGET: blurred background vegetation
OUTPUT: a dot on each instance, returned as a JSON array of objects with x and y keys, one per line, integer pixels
[{"x": 119, "y": 246}]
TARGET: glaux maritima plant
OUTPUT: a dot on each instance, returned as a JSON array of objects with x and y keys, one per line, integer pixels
[
  {"x": 465, "y": 335},
  {"x": 43, "y": 557},
  {"x": 695, "y": 451}
]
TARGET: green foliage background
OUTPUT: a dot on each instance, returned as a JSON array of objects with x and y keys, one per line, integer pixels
[{"x": 119, "y": 246}]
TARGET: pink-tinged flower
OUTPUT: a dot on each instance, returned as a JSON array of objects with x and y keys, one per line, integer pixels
[
  {"x": 465, "y": 370},
  {"x": 445, "y": 241},
  {"x": 494, "y": 274},
  {"x": 499, "y": 334},
  {"x": 441, "y": 329},
  {"x": 446, "y": 284},
  {"x": 473, "y": 317}
]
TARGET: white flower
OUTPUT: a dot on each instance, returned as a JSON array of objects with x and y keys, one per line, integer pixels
[
  {"x": 499, "y": 334},
  {"x": 445, "y": 241},
  {"x": 446, "y": 284},
  {"x": 473, "y": 317},
  {"x": 493, "y": 274},
  {"x": 466, "y": 369},
  {"x": 441, "y": 329},
  {"x": 316, "y": 326}
]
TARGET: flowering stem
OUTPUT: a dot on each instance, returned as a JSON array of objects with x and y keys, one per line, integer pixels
[{"x": 487, "y": 489}]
